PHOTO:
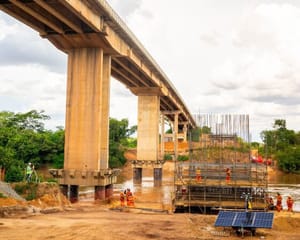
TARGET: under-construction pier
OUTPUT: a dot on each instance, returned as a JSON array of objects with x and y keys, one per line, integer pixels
[{"x": 219, "y": 173}]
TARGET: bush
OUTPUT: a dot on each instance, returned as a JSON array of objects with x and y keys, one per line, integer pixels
[
  {"x": 183, "y": 158},
  {"x": 168, "y": 157},
  {"x": 2, "y": 196},
  {"x": 27, "y": 190},
  {"x": 14, "y": 174}
]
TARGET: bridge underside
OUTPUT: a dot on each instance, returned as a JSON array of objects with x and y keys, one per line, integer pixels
[{"x": 98, "y": 45}]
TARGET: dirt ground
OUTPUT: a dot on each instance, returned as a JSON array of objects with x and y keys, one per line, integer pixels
[{"x": 90, "y": 221}]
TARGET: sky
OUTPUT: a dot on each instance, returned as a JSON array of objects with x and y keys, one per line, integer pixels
[{"x": 222, "y": 56}]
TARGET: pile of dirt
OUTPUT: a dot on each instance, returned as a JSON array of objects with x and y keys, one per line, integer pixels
[{"x": 48, "y": 198}]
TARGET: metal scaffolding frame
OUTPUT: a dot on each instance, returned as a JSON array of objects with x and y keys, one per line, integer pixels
[{"x": 227, "y": 146}]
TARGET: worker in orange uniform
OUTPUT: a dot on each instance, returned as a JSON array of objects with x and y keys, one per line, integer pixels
[
  {"x": 129, "y": 198},
  {"x": 228, "y": 175},
  {"x": 289, "y": 203},
  {"x": 279, "y": 202},
  {"x": 122, "y": 199},
  {"x": 198, "y": 175}
]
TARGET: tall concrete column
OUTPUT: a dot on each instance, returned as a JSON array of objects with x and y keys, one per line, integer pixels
[
  {"x": 104, "y": 107},
  {"x": 175, "y": 135},
  {"x": 162, "y": 136},
  {"x": 148, "y": 124},
  {"x": 148, "y": 128},
  {"x": 87, "y": 110},
  {"x": 185, "y": 132}
]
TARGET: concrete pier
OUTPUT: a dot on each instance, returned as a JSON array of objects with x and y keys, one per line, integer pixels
[
  {"x": 137, "y": 175},
  {"x": 157, "y": 175},
  {"x": 74, "y": 193},
  {"x": 99, "y": 192}
]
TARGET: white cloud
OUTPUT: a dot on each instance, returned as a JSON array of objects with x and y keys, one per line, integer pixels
[{"x": 222, "y": 56}]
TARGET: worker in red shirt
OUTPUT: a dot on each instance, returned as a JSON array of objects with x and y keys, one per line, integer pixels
[
  {"x": 279, "y": 202},
  {"x": 289, "y": 203},
  {"x": 198, "y": 175}
]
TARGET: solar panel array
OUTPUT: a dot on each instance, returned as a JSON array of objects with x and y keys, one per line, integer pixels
[{"x": 245, "y": 219}]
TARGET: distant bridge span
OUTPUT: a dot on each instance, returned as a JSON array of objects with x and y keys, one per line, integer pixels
[{"x": 98, "y": 45}]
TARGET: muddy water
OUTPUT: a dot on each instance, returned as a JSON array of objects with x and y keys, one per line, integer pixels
[
  {"x": 286, "y": 184},
  {"x": 146, "y": 194}
]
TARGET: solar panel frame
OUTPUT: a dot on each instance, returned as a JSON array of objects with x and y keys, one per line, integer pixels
[{"x": 245, "y": 219}]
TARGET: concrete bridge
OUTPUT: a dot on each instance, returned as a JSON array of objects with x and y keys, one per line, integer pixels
[{"x": 99, "y": 45}]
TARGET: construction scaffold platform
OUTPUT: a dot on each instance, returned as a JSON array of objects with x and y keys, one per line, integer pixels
[{"x": 219, "y": 170}]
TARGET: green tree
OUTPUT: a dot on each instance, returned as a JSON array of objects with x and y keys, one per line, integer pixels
[
  {"x": 119, "y": 134},
  {"x": 23, "y": 139},
  {"x": 284, "y": 145}
]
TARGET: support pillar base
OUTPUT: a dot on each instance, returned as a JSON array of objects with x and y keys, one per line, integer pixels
[
  {"x": 157, "y": 174},
  {"x": 100, "y": 193},
  {"x": 74, "y": 193},
  {"x": 109, "y": 190},
  {"x": 137, "y": 175}
]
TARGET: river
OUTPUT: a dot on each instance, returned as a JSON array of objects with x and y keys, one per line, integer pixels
[{"x": 286, "y": 184}]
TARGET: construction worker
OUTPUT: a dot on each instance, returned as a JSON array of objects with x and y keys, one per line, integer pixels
[
  {"x": 122, "y": 199},
  {"x": 198, "y": 175},
  {"x": 249, "y": 205},
  {"x": 289, "y": 203},
  {"x": 279, "y": 202},
  {"x": 228, "y": 175},
  {"x": 270, "y": 203},
  {"x": 29, "y": 171},
  {"x": 129, "y": 198}
]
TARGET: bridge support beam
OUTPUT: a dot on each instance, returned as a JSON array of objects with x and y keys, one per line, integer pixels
[
  {"x": 87, "y": 110},
  {"x": 148, "y": 124},
  {"x": 87, "y": 123},
  {"x": 148, "y": 128},
  {"x": 162, "y": 136}
]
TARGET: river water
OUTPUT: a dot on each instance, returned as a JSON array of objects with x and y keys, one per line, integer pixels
[{"x": 286, "y": 184}]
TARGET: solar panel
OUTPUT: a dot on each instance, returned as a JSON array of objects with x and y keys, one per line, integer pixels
[
  {"x": 225, "y": 219},
  {"x": 245, "y": 219}
]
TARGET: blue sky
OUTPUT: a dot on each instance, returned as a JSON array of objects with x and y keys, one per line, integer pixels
[{"x": 231, "y": 56}]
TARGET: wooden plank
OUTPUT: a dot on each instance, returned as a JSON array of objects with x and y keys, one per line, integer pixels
[
  {"x": 38, "y": 16},
  {"x": 75, "y": 25},
  {"x": 86, "y": 14}
]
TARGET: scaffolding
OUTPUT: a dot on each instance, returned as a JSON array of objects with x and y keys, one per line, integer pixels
[{"x": 219, "y": 170}]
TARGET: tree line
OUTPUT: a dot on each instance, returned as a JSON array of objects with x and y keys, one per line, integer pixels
[
  {"x": 24, "y": 139},
  {"x": 283, "y": 145}
]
